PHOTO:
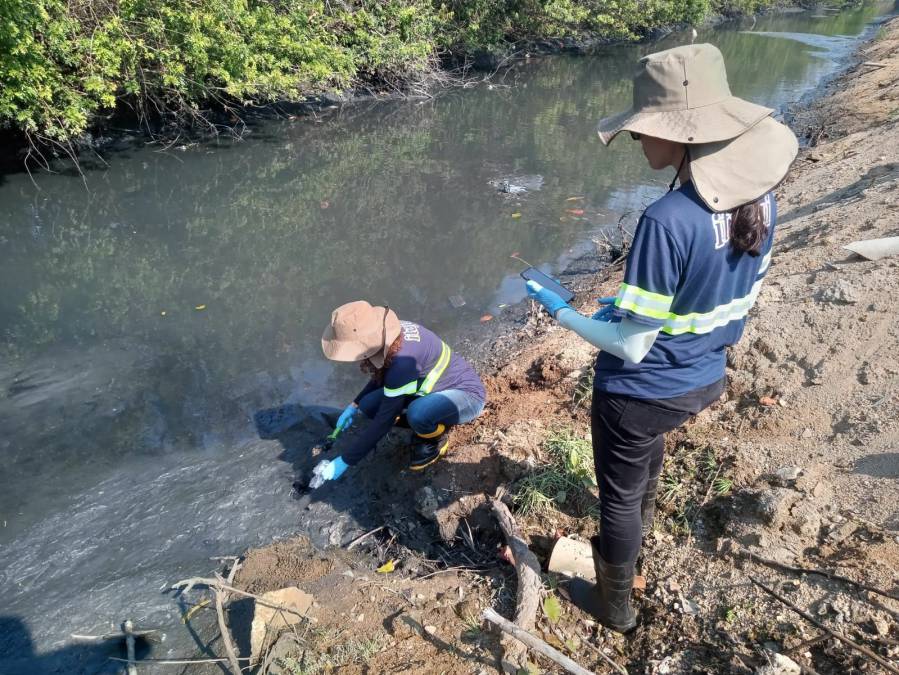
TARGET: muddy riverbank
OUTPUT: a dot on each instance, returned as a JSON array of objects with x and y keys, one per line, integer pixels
[{"x": 797, "y": 464}]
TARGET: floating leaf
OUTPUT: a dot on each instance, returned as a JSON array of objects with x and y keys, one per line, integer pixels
[
  {"x": 387, "y": 567},
  {"x": 200, "y": 308},
  {"x": 516, "y": 215},
  {"x": 486, "y": 318},
  {"x": 193, "y": 610},
  {"x": 573, "y": 199},
  {"x": 162, "y": 313},
  {"x": 575, "y": 212},
  {"x": 552, "y": 608}
]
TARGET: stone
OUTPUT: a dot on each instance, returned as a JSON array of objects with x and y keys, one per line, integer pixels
[
  {"x": 268, "y": 621},
  {"x": 841, "y": 293},
  {"x": 430, "y": 630},
  {"x": 426, "y": 502},
  {"x": 778, "y": 664},
  {"x": 787, "y": 474},
  {"x": 842, "y": 532},
  {"x": 806, "y": 520},
  {"x": 774, "y": 505}
]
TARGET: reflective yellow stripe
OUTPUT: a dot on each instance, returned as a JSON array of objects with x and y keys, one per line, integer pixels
[
  {"x": 431, "y": 380},
  {"x": 434, "y": 434},
  {"x": 405, "y": 390},
  {"x": 653, "y": 305},
  {"x": 644, "y": 303},
  {"x": 706, "y": 322}
]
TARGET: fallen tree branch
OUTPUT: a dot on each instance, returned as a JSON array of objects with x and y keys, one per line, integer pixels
[
  {"x": 358, "y": 540},
  {"x": 533, "y": 642},
  {"x": 811, "y": 570},
  {"x": 834, "y": 634},
  {"x": 186, "y": 585},
  {"x": 220, "y": 596},
  {"x": 527, "y": 595}
]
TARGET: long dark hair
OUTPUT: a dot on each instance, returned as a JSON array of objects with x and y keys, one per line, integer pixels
[
  {"x": 748, "y": 228},
  {"x": 377, "y": 374}
]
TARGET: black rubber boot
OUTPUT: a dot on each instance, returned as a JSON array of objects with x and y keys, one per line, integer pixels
[
  {"x": 609, "y": 600},
  {"x": 648, "y": 507},
  {"x": 426, "y": 451}
]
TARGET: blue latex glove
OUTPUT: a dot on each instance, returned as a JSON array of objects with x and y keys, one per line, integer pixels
[
  {"x": 327, "y": 470},
  {"x": 605, "y": 313},
  {"x": 551, "y": 301},
  {"x": 346, "y": 417}
]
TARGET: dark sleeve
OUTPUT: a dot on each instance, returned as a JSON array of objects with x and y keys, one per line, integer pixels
[
  {"x": 375, "y": 431},
  {"x": 369, "y": 388}
]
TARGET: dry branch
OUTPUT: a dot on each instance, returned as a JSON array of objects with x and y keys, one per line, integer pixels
[
  {"x": 811, "y": 570},
  {"x": 527, "y": 569},
  {"x": 533, "y": 642},
  {"x": 834, "y": 634}
]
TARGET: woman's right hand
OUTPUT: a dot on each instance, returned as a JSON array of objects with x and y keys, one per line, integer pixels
[{"x": 346, "y": 417}]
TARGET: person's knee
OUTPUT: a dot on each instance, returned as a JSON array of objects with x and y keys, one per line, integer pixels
[{"x": 421, "y": 420}]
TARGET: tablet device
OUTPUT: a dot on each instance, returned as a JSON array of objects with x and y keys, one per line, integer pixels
[{"x": 533, "y": 274}]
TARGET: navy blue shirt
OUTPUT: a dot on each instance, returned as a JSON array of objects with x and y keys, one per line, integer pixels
[
  {"x": 421, "y": 354},
  {"x": 683, "y": 276}
]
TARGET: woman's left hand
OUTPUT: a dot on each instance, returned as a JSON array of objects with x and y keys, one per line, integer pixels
[{"x": 551, "y": 301}]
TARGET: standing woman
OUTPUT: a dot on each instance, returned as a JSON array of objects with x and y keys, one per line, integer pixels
[
  {"x": 416, "y": 381},
  {"x": 693, "y": 272}
]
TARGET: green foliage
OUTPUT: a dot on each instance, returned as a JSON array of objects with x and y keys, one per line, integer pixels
[
  {"x": 64, "y": 62},
  {"x": 566, "y": 477},
  {"x": 552, "y": 608}
]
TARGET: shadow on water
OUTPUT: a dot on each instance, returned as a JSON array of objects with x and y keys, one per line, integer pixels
[
  {"x": 18, "y": 656},
  {"x": 380, "y": 490}
]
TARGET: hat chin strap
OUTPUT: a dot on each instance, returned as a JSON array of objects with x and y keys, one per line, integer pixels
[{"x": 680, "y": 167}]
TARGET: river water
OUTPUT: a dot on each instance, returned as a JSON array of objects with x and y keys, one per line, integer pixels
[{"x": 151, "y": 306}]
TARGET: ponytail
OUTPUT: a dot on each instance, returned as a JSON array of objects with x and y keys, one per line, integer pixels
[{"x": 748, "y": 228}]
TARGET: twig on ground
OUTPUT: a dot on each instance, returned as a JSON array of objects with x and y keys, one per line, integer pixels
[
  {"x": 834, "y": 634},
  {"x": 811, "y": 570},
  {"x": 619, "y": 668},
  {"x": 533, "y": 642},
  {"x": 527, "y": 569},
  {"x": 459, "y": 568},
  {"x": 358, "y": 540}
]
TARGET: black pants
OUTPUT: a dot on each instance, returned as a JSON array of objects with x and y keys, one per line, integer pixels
[{"x": 628, "y": 448}]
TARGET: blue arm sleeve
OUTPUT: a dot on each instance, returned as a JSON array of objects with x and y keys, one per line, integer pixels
[
  {"x": 375, "y": 431},
  {"x": 370, "y": 387},
  {"x": 626, "y": 339},
  {"x": 400, "y": 380}
]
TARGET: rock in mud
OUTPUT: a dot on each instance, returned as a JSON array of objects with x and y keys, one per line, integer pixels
[
  {"x": 779, "y": 665},
  {"x": 268, "y": 621},
  {"x": 426, "y": 502},
  {"x": 774, "y": 505},
  {"x": 841, "y": 293},
  {"x": 787, "y": 475}
]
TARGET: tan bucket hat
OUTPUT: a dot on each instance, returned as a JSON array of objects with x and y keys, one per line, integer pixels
[
  {"x": 682, "y": 95},
  {"x": 737, "y": 152},
  {"x": 359, "y": 331}
]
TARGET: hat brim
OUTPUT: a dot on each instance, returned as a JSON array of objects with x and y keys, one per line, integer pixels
[
  {"x": 350, "y": 351},
  {"x": 712, "y": 123},
  {"x": 731, "y": 173}
]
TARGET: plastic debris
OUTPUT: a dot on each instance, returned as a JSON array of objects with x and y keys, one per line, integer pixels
[
  {"x": 200, "y": 308},
  {"x": 875, "y": 249},
  {"x": 486, "y": 318},
  {"x": 575, "y": 212},
  {"x": 387, "y": 567},
  {"x": 457, "y": 301},
  {"x": 516, "y": 215}
]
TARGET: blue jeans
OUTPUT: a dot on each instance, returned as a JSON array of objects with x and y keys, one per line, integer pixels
[{"x": 425, "y": 413}]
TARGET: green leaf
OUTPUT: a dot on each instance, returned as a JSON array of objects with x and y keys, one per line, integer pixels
[{"x": 552, "y": 608}]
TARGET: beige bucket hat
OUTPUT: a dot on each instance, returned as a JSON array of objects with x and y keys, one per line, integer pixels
[
  {"x": 359, "y": 331},
  {"x": 682, "y": 95}
]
